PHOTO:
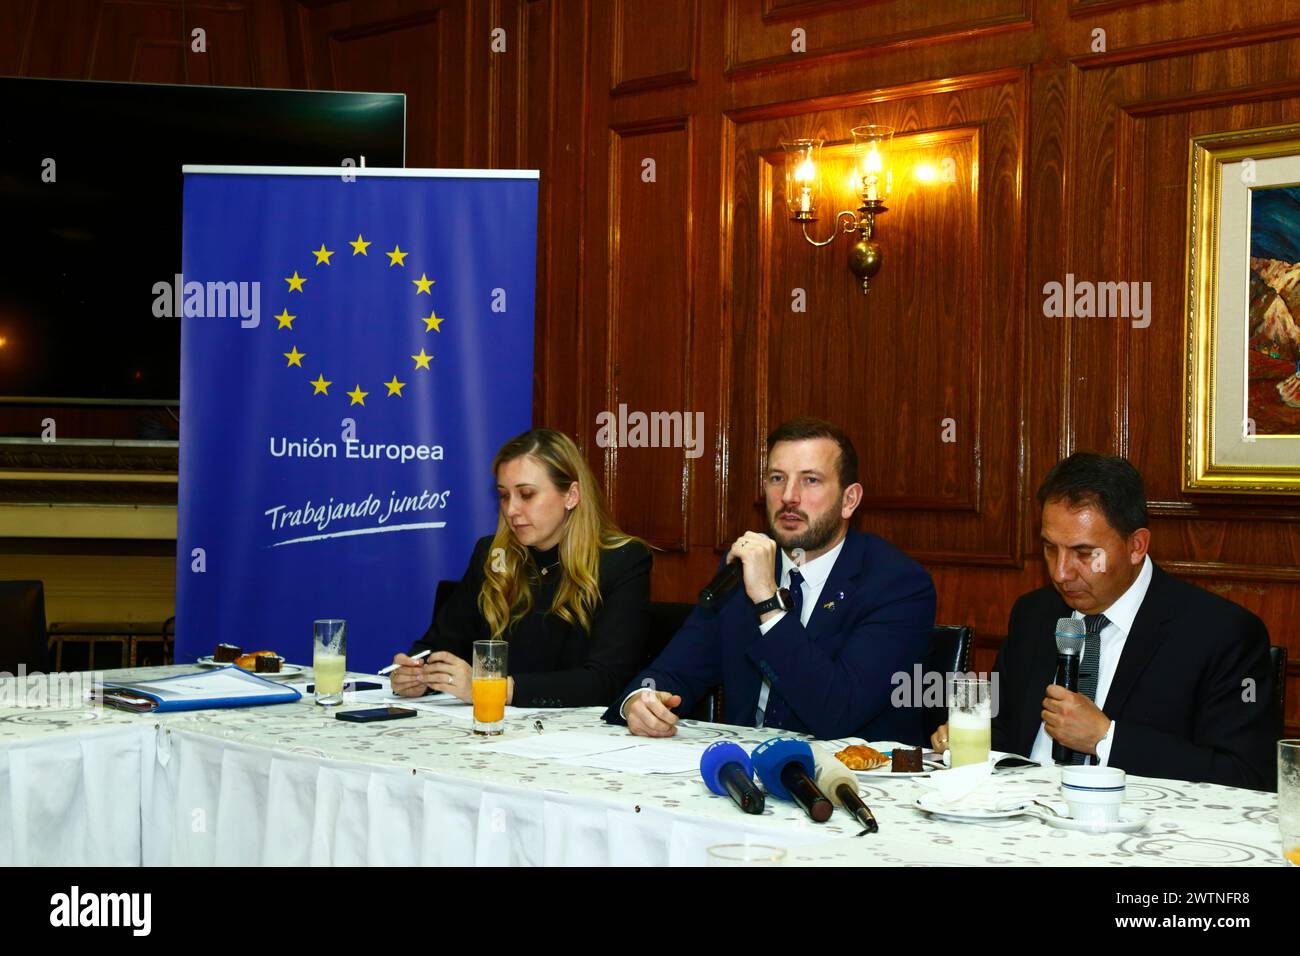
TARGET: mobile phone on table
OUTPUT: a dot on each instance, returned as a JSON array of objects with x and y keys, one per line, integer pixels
[{"x": 370, "y": 715}]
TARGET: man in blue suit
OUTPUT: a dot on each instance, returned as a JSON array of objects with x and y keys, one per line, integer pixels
[{"x": 816, "y": 654}]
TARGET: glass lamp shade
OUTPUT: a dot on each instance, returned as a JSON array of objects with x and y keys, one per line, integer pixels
[
  {"x": 871, "y": 156},
  {"x": 803, "y": 181}
]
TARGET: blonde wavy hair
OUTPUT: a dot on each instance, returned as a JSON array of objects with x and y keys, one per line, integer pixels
[{"x": 587, "y": 530}]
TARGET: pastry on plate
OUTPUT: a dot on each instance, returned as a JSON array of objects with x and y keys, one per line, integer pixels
[{"x": 858, "y": 757}]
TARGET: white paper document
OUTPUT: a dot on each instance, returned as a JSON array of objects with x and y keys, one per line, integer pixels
[
  {"x": 444, "y": 704},
  {"x": 226, "y": 682},
  {"x": 643, "y": 758},
  {"x": 618, "y": 752}
]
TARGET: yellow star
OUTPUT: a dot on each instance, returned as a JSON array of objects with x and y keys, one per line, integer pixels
[
  {"x": 423, "y": 283},
  {"x": 323, "y": 255},
  {"x": 422, "y": 360},
  {"x": 285, "y": 319},
  {"x": 395, "y": 387},
  {"x": 295, "y": 357},
  {"x": 359, "y": 246},
  {"x": 295, "y": 284},
  {"x": 322, "y": 386},
  {"x": 432, "y": 323},
  {"x": 397, "y": 257},
  {"x": 358, "y": 397}
]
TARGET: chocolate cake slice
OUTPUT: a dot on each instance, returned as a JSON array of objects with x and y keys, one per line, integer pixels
[
  {"x": 225, "y": 653},
  {"x": 267, "y": 665},
  {"x": 906, "y": 760}
]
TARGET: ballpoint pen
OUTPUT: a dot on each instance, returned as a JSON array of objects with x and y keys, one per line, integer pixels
[{"x": 392, "y": 667}]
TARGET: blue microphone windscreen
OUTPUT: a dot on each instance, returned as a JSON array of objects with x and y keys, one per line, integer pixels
[
  {"x": 717, "y": 756},
  {"x": 770, "y": 758}
]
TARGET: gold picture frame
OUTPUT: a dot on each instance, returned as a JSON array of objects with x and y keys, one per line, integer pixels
[{"x": 1226, "y": 381}]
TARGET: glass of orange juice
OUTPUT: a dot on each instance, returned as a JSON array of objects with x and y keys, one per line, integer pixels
[
  {"x": 1288, "y": 799},
  {"x": 490, "y": 687}
]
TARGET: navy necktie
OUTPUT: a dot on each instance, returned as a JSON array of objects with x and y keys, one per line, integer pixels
[
  {"x": 1090, "y": 666},
  {"x": 776, "y": 712}
]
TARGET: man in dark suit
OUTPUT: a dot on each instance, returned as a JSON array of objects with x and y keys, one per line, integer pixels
[
  {"x": 817, "y": 654},
  {"x": 1174, "y": 681}
]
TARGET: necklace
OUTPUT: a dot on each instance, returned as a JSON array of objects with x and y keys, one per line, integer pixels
[{"x": 550, "y": 567}]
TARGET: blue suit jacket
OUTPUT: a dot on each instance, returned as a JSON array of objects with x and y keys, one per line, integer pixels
[{"x": 872, "y": 620}]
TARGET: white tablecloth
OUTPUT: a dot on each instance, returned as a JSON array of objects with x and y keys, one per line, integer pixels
[{"x": 290, "y": 785}]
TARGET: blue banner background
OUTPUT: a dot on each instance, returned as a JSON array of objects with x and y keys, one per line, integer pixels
[{"x": 358, "y": 320}]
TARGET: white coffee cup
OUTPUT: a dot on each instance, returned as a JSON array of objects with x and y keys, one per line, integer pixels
[{"x": 1094, "y": 794}]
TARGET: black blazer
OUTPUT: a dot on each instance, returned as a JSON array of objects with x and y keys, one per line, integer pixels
[
  {"x": 1177, "y": 694},
  {"x": 872, "y": 622},
  {"x": 554, "y": 664}
]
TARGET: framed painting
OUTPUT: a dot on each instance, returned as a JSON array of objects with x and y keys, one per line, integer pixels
[{"x": 1242, "y": 360}]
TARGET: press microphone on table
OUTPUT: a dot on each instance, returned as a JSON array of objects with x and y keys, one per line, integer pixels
[
  {"x": 786, "y": 768},
  {"x": 728, "y": 772},
  {"x": 722, "y": 584},
  {"x": 838, "y": 783},
  {"x": 1070, "y": 635}
]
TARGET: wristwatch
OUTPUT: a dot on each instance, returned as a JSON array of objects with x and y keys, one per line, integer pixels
[{"x": 780, "y": 601}]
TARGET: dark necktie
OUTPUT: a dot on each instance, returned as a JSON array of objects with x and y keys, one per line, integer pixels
[
  {"x": 776, "y": 712},
  {"x": 796, "y": 593},
  {"x": 1090, "y": 667}
]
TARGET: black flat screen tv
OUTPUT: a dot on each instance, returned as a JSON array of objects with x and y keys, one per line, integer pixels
[{"x": 90, "y": 215}]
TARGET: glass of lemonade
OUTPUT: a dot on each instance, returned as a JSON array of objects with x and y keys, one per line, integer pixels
[
  {"x": 329, "y": 660},
  {"x": 490, "y": 687},
  {"x": 969, "y": 720},
  {"x": 1288, "y": 799}
]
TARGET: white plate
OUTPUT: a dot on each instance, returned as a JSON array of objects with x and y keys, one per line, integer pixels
[
  {"x": 884, "y": 747},
  {"x": 1131, "y": 819},
  {"x": 931, "y": 804},
  {"x": 886, "y": 771},
  {"x": 286, "y": 672}
]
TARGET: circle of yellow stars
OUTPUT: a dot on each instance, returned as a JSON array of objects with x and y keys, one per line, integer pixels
[{"x": 423, "y": 286}]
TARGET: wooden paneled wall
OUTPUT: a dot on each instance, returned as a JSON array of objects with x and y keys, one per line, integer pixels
[{"x": 1064, "y": 126}]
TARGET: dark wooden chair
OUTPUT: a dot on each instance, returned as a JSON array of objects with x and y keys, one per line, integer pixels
[
  {"x": 441, "y": 594},
  {"x": 666, "y": 619},
  {"x": 1277, "y": 657},
  {"x": 950, "y": 652},
  {"x": 23, "y": 638}
]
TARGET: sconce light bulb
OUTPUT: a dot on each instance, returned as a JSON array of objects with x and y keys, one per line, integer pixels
[{"x": 873, "y": 163}]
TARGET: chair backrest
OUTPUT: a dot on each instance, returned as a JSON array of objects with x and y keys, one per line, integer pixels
[
  {"x": 1277, "y": 657},
  {"x": 440, "y": 596},
  {"x": 950, "y": 651},
  {"x": 23, "y": 639},
  {"x": 666, "y": 619}
]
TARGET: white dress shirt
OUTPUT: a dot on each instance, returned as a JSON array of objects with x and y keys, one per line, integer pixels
[{"x": 1120, "y": 617}]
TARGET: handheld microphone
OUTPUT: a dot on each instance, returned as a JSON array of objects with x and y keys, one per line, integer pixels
[
  {"x": 722, "y": 584},
  {"x": 1070, "y": 635},
  {"x": 786, "y": 767},
  {"x": 727, "y": 771},
  {"x": 838, "y": 783}
]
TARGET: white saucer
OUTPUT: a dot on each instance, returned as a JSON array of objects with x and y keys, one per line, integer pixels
[
  {"x": 931, "y": 804},
  {"x": 1131, "y": 819}
]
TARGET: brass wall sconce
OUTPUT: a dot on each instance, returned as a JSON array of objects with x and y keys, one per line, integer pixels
[{"x": 803, "y": 194}]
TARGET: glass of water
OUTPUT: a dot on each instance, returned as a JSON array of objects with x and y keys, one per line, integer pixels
[
  {"x": 1288, "y": 799},
  {"x": 970, "y": 720},
  {"x": 329, "y": 660}
]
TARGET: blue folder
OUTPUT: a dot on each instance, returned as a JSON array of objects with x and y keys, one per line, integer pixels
[{"x": 145, "y": 696}]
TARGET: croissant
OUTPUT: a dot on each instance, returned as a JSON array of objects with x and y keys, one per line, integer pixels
[{"x": 858, "y": 757}]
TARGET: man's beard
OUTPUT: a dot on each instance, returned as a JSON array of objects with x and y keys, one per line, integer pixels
[{"x": 818, "y": 534}]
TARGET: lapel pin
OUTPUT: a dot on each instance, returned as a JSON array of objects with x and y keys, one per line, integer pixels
[{"x": 828, "y": 606}]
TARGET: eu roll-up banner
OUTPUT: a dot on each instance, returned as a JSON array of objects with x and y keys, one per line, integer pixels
[{"x": 354, "y": 348}]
